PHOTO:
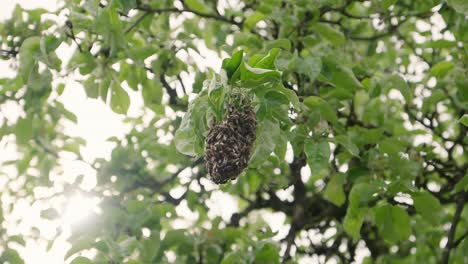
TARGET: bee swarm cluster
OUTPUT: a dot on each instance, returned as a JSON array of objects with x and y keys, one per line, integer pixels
[{"x": 228, "y": 144}]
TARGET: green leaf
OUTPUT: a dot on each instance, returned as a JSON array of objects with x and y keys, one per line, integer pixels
[
  {"x": 393, "y": 223},
  {"x": 464, "y": 120},
  {"x": 174, "y": 237},
  {"x": 268, "y": 61},
  {"x": 230, "y": 65},
  {"x": 334, "y": 190},
  {"x": 428, "y": 206},
  {"x": 236, "y": 257},
  {"x": 152, "y": 93},
  {"x": 339, "y": 74},
  {"x": 50, "y": 214},
  {"x": 185, "y": 137},
  {"x": 189, "y": 138},
  {"x": 441, "y": 69},
  {"x": 387, "y": 3},
  {"x": 267, "y": 253},
  {"x": 60, "y": 88},
  {"x": 11, "y": 256},
  {"x": 24, "y": 130},
  {"x": 330, "y": 33},
  {"x": 310, "y": 66},
  {"x": 197, "y": 5},
  {"x": 267, "y": 132},
  {"x": 397, "y": 82},
  {"x": 39, "y": 81},
  {"x": 91, "y": 87},
  {"x": 150, "y": 247},
  {"x": 28, "y": 53},
  {"x": 81, "y": 260},
  {"x": 120, "y": 101},
  {"x": 462, "y": 184},
  {"x": 318, "y": 154},
  {"x": 47, "y": 46},
  {"x": 279, "y": 43},
  {"x": 18, "y": 239},
  {"x": 281, "y": 144},
  {"x": 253, "y": 19},
  {"x": 256, "y": 77},
  {"x": 460, "y": 6},
  {"x": 79, "y": 245},
  {"x": 348, "y": 144},
  {"x": 84, "y": 61},
  {"x": 326, "y": 111},
  {"x": 353, "y": 221},
  {"x": 359, "y": 197},
  {"x": 111, "y": 28}
]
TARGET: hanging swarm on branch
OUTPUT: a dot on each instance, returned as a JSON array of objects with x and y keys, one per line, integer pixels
[{"x": 229, "y": 143}]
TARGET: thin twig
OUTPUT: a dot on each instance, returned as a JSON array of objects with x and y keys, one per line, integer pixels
[
  {"x": 137, "y": 22},
  {"x": 460, "y": 239},
  {"x": 453, "y": 228}
]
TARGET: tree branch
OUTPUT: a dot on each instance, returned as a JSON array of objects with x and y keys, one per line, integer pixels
[
  {"x": 460, "y": 239},
  {"x": 453, "y": 228},
  {"x": 132, "y": 26}
]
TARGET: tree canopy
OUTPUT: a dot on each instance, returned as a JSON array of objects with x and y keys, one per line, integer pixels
[{"x": 360, "y": 149}]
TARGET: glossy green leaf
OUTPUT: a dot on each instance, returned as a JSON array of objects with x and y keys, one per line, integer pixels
[
  {"x": 267, "y": 132},
  {"x": 339, "y": 74},
  {"x": 197, "y": 5},
  {"x": 460, "y": 6},
  {"x": 441, "y": 69},
  {"x": 326, "y": 110},
  {"x": 310, "y": 66},
  {"x": 427, "y": 205},
  {"x": 462, "y": 184},
  {"x": 334, "y": 191},
  {"x": 29, "y": 51},
  {"x": 393, "y": 223},
  {"x": 11, "y": 256},
  {"x": 230, "y": 65},
  {"x": 464, "y": 120},
  {"x": 24, "y": 130},
  {"x": 330, "y": 33},
  {"x": 120, "y": 101},
  {"x": 267, "y": 253},
  {"x": 359, "y": 197},
  {"x": 318, "y": 154},
  {"x": 353, "y": 221},
  {"x": 253, "y": 19},
  {"x": 236, "y": 257}
]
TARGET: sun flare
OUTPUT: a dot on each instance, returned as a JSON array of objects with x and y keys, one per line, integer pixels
[{"x": 79, "y": 208}]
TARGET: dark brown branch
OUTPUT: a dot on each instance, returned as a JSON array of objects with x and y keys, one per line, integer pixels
[
  {"x": 172, "y": 92},
  {"x": 181, "y": 83},
  {"x": 69, "y": 24},
  {"x": 453, "y": 228},
  {"x": 11, "y": 53}
]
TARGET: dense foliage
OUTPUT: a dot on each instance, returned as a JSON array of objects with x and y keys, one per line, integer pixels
[{"x": 361, "y": 139}]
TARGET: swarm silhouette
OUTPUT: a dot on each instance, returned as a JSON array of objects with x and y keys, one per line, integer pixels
[{"x": 229, "y": 143}]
